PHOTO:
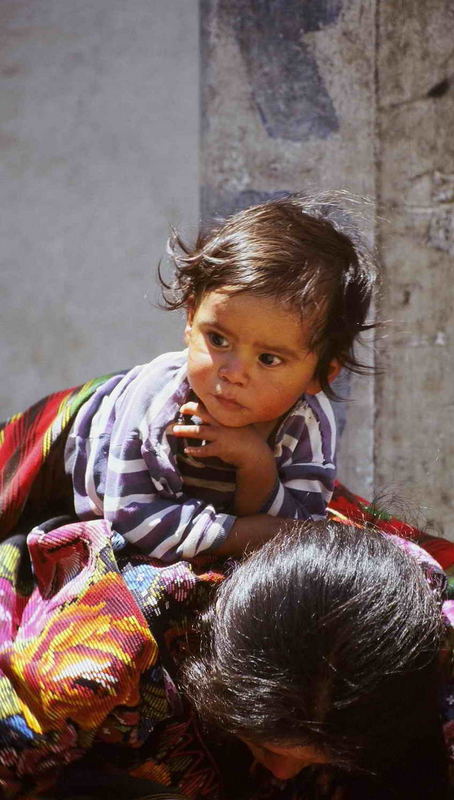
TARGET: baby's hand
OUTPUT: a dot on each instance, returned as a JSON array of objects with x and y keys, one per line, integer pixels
[
  {"x": 238, "y": 446},
  {"x": 256, "y": 472}
]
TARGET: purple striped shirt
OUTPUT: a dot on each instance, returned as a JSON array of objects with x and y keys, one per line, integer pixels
[{"x": 126, "y": 469}]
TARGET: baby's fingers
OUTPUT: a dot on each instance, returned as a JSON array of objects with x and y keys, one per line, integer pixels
[
  {"x": 201, "y": 451},
  {"x": 192, "y": 431},
  {"x": 197, "y": 410}
]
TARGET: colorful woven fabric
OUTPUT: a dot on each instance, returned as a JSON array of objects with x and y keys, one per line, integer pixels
[
  {"x": 90, "y": 645},
  {"x": 25, "y": 443},
  {"x": 79, "y": 664}
]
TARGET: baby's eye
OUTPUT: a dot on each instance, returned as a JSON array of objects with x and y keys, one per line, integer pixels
[
  {"x": 217, "y": 340},
  {"x": 269, "y": 360}
]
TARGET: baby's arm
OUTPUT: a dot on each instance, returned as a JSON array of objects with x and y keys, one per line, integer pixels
[
  {"x": 244, "y": 448},
  {"x": 140, "y": 504},
  {"x": 296, "y": 482},
  {"x": 248, "y": 533}
]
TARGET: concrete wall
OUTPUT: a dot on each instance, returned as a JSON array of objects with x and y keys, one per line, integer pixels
[
  {"x": 288, "y": 105},
  {"x": 99, "y": 130},
  {"x": 343, "y": 93},
  {"x": 414, "y": 444}
]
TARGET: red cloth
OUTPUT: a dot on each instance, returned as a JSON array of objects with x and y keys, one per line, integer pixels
[{"x": 354, "y": 508}]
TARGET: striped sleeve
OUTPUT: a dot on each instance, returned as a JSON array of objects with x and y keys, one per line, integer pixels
[
  {"x": 138, "y": 505},
  {"x": 305, "y": 454}
]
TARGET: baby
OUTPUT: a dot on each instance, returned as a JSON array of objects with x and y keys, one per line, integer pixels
[{"x": 201, "y": 450}]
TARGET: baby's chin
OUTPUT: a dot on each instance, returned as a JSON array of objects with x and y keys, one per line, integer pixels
[
  {"x": 263, "y": 427},
  {"x": 232, "y": 423},
  {"x": 229, "y": 423},
  {"x": 229, "y": 414}
]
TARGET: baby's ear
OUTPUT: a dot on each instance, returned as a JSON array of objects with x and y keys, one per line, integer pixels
[{"x": 334, "y": 369}]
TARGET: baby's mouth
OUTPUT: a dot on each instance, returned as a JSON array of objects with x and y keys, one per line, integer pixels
[{"x": 227, "y": 401}]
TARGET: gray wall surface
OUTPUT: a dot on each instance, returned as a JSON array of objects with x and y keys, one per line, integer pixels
[
  {"x": 99, "y": 122},
  {"x": 414, "y": 443},
  {"x": 100, "y": 141},
  {"x": 288, "y": 92},
  {"x": 358, "y": 95}
]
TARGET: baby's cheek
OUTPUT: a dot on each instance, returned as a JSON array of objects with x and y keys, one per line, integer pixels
[
  {"x": 199, "y": 369},
  {"x": 277, "y": 401}
]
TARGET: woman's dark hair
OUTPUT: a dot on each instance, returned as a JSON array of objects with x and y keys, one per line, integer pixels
[
  {"x": 304, "y": 252},
  {"x": 327, "y": 636}
]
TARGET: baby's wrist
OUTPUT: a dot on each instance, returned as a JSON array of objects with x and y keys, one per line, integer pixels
[{"x": 255, "y": 458}]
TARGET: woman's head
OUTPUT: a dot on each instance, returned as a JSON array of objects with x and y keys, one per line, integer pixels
[
  {"x": 327, "y": 640},
  {"x": 295, "y": 251}
]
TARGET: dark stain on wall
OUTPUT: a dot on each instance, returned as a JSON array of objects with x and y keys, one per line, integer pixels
[
  {"x": 440, "y": 88},
  {"x": 219, "y": 204},
  {"x": 286, "y": 85}
]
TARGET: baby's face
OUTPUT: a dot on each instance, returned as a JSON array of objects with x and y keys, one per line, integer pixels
[{"x": 248, "y": 360}]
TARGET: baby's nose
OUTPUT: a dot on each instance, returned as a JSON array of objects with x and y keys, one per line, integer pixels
[{"x": 234, "y": 369}]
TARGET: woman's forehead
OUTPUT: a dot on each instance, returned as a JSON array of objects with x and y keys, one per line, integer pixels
[{"x": 304, "y": 751}]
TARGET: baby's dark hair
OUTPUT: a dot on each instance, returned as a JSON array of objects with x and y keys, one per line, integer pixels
[
  {"x": 327, "y": 636},
  {"x": 304, "y": 252}
]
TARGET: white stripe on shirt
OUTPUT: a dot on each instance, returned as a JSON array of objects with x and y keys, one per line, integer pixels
[
  {"x": 314, "y": 437},
  {"x": 141, "y": 530},
  {"x": 328, "y": 410},
  {"x": 92, "y": 495},
  {"x": 194, "y": 542},
  {"x": 309, "y": 486},
  {"x": 277, "y": 502},
  {"x": 120, "y": 466}
]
